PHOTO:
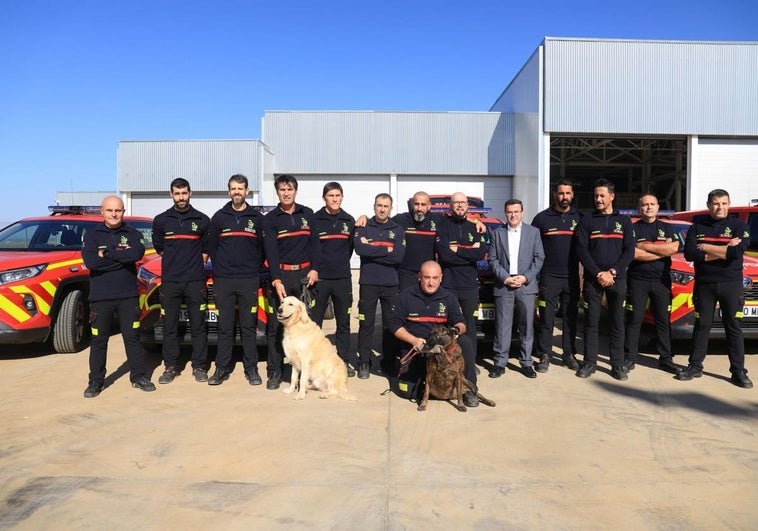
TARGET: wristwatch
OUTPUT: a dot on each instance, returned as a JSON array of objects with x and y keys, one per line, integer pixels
[{"x": 613, "y": 272}]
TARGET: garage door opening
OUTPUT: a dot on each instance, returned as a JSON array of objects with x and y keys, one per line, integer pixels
[{"x": 635, "y": 165}]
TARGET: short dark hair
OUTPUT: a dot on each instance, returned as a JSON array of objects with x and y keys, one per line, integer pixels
[
  {"x": 563, "y": 182},
  {"x": 513, "y": 202},
  {"x": 237, "y": 178},
  {"x": 285, "y": 179},
  {"x": 718, "y": 192},
  {"x": 383, "y": 196},
  {"x": 604, "y": 183},
  {"x": 179, "y": 183},
  {"x": 332, "y": 185}
]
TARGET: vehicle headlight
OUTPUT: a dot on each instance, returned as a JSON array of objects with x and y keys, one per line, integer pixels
[
  {"x": 15, "y": 275},
  {"x": 677, "y": 277}
]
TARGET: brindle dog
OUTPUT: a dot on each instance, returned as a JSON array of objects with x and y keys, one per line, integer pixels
[{"x": 444, "y": 370}]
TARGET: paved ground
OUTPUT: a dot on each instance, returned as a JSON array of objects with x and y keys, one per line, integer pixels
[{"x": 557, "y": 452}]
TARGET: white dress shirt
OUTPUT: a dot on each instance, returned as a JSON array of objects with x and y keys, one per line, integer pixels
[{"x": 514, "y": 239}]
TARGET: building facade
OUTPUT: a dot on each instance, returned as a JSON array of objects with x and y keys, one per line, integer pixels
[{"x": 671, "y": 117}]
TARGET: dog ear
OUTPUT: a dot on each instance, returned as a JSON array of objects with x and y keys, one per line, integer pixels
[{"x": 304, "y": 317}]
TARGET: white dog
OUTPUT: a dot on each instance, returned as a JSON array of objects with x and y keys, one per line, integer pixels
[{"x": 311, "y": 354}]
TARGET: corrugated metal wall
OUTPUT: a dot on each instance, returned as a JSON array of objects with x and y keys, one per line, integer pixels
[
  {"x": 145, "y": 166},
  {"x": 651, "y": 87},
  {"x": 418, "y": 143}
]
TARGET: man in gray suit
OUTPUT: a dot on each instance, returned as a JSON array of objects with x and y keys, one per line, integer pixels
[{"x": 516, "y": 257}]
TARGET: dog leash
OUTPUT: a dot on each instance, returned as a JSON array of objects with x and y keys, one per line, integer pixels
[{"x": 405, "y": 360}]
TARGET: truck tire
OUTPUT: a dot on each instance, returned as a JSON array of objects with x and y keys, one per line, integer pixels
[{"x": 71, "y": 329}]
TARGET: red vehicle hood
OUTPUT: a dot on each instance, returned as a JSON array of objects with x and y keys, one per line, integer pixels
[{"x": 18, "y": 259}]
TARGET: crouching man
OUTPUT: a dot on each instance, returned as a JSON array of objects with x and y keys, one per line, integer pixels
[{"x": 420, "y": 308}]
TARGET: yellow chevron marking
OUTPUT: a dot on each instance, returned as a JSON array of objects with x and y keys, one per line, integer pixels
[
  {"x": 58, "y": 265},
  {"x": 14, "y": 311}
]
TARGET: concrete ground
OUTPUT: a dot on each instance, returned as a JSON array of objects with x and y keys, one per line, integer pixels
[{"x": 557, "y": 452}]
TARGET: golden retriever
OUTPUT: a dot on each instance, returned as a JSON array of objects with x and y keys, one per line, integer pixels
[{"x": 312, "y": 356}]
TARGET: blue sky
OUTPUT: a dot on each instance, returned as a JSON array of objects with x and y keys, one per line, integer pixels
[{"x": 78, "y": 76}]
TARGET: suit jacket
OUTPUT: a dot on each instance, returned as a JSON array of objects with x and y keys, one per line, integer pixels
[{"x": 530, "y": 258}]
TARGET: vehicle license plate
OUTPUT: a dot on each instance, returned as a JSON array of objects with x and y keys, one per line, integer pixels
[
  {"x": 747, "y": 311},
  {"x": 486, "y": 314},
  {"x": 210, "y": 316}
]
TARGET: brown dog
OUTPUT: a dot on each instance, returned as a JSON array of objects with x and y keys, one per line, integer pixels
[{"x": 444, "y": 370}]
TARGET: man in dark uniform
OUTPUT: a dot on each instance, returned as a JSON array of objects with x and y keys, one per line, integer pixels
[
  {"x": 293, "y": 252},
  {"x": 335, "y": 229},
  {"x": 180, "y": 237},
  {"x": 110, "y": 252},
  {"x": 605, "y": 244},
  {"x": 420, "y": 308},
  {"x": 650, "y": 278},
  {"x": 559, "y": 278},
  {"x": 716, "y": 244},
  {"x": 381, "y": 246},
  {"x": 459, "y": 247},
  {"x": 235, "y": 246}
]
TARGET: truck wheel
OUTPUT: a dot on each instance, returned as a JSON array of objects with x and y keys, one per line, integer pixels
[{"x": 71, "y": 327}]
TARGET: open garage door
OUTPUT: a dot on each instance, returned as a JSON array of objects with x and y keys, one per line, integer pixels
[{"x": 634, "y": 165}]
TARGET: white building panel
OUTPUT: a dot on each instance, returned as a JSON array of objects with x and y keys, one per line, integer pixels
[
  {"x": 403, "y": 143},
  {"x": 148, "y": 166},
  {"x": 630, "y": 87},
  {"x": 731, "y": 164}
]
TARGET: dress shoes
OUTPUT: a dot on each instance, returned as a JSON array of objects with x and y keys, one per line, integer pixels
[
  {"x": 470, "y": 399},
  {"x": 740, "y": 379},
  {"x": 93, "y": 390},
  {"x": 496, "y": 371},
  {"x": 218, "y": 377},
  {"x": 668, "y": 365},
  {"x": 619, "y": 373},
  {"x": 143, "y": 383},
  {"x": 528, "y": 372},
  {"x": 168, "y": 375},
  {"x": 273, "y": 382},
  {"x": 542, "y": 365},
  {"x": 253, "y": 378},
  {"x": 629, "y": 365},
  {"x": 689, "y": 373},
  {"x": 364, "y": 371},
  {"x": 571, "y": 362},
  {"x": 201, "y": 375},
  {"x": 350, "y": 370},
  {"x": 586, "y": 370}
]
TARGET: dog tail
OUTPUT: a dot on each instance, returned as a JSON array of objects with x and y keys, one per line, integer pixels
[{"x": 475, "y": 389}]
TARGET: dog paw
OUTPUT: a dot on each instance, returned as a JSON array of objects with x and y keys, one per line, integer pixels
[
  {"x": 462, "y": 409},
  {"x": 300, "y": 396},
  {"x": 288, "y": 391},
  {"x": 421, "y": 408}
]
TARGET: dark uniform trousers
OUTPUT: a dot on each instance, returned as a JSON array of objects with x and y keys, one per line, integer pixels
[
  {"x": 195, "y": 296},
  {"x": 407, "y": 279},
  {"x": 341, "y": 292},
  {"x": 730, "y": 296},
  {"x": 293, "y": 284},
  {"x": 469, "y": 301},
  {"x": 557, "y": 292},
  {"x": 593, "y": 295},
  {"x": 240, "y": 294},
  {"x": 101, "y": 317},
  {"x": 659, "y": 294},
  {"x": 369, "y": 296}
]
